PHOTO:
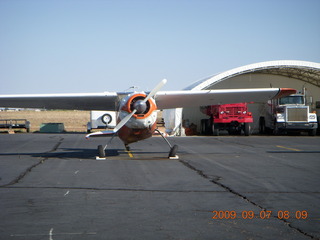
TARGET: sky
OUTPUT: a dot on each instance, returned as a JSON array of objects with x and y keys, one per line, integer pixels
[{"x": 78, "y": 46}]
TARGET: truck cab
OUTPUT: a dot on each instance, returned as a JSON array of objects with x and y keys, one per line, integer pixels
[{"x": 288, "y": 114}]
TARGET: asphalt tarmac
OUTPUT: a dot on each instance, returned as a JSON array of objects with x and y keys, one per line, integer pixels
[{"x": 257, "y": 187}]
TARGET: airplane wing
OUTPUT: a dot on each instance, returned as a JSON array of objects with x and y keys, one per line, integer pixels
[
  {"x": 75, "y": 101},
  {"x": 178, "y": 99},
  {"x": 166, "y": 99}
]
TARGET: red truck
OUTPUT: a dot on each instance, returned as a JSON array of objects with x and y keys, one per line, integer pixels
[{"x": 231, "y": 117}]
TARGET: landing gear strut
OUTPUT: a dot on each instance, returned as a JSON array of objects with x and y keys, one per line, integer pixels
[{"x": 173, "y": 149}]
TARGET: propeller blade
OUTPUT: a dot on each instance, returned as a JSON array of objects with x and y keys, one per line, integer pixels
[
  {"x": 124, "y": 121},
  {"x": 151, "y": 94},
  {"x": 155, "y": 90}
]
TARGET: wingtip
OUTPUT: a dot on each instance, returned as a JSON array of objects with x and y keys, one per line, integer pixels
[{"x": 285, "y": 92}]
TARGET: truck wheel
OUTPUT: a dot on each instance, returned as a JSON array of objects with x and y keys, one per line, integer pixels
[
  {"x": 312, "y": 132},
  {"x": 262, "y": 125},
  {"x": 276, "y": 130},
  {"x": 247, "y": 129},
  {"x": 215, "y": 130},
  {"x": 205, "y": 127}
]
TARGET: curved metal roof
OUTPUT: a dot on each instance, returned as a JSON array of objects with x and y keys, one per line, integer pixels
[{"x": 302, "y": 70}]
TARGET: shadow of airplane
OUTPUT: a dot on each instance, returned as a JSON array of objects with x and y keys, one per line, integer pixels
[{"x": 90, "y": 154}]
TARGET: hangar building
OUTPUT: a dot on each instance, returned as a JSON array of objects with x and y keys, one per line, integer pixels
[{"x": 279, "y": 74}]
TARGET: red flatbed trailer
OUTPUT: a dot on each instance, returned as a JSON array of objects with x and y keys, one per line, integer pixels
[{"x": 231, "y": 117}]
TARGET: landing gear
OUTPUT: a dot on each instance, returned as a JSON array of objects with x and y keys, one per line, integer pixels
[
  {"x": 101, "y": 151},
  {"x": 127, "y": 147},
  {"x": 173, "y": 149}
]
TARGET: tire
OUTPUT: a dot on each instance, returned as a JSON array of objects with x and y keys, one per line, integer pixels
[
  {"x": 106, "y": 118},
  {"x": 173, "y": 151},
  {"x": 101, "y": 152},
  {"x": 247, "y": 129},
  {"x": 262, "y": 125},
  {"x": 276, "y": 130},
  {"x": 215, "y": 130},
  {"x": 312, "y": 132},
  {"x": 204, "y": 128}
]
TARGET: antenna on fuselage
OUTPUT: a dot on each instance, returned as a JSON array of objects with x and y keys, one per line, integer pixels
[{"x": 132, "y": 87}]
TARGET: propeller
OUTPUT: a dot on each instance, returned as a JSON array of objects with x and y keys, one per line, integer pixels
[
  {"x": 140, "y": 106},
  {"x": 155, "y": 90}
]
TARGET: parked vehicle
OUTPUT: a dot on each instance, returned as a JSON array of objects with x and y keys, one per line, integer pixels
[
  {"x": 101, "y": 120},
  {"x": 231, "y": 117},
  {"x": 288, "y": 114}
]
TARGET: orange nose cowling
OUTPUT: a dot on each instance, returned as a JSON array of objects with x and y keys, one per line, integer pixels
[{"x": 143, "y": 111}]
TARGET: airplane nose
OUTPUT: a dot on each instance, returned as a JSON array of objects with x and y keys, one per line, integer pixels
[{"x": 140, "y": 106}]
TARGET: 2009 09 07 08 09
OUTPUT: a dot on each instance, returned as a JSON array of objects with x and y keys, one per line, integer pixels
[{"x": 264, "y": 214}]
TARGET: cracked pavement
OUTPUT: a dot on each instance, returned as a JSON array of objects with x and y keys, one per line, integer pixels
[{"x": 51, "y": 187}]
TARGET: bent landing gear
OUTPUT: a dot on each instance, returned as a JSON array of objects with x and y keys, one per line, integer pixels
[{"x": 173, "y": 149}]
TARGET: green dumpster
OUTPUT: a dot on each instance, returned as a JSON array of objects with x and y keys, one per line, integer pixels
[{"x": 52, "y": 127}]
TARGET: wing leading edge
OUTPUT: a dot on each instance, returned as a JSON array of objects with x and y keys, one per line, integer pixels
[
  {"x": 74, "y": 101},
  {"x": 166, "y": 99},
  {"x": 176, "y": 99}
]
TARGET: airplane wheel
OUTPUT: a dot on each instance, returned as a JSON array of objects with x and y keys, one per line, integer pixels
[
  {"x": 127, "y": 147},
  {"x": 173, "y": 151},
  {"x": 101, "y": 152}
]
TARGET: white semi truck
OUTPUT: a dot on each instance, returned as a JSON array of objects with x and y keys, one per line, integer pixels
[{"x": 288, "y": 114}]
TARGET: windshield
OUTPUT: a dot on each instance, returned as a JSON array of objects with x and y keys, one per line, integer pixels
[{"x": 291, "y": 100}]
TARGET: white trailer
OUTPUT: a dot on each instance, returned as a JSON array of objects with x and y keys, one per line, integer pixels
[{"x": 102, "y": 120}]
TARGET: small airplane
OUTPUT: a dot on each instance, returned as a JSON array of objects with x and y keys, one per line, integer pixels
[{"x": 137, "y": 111}]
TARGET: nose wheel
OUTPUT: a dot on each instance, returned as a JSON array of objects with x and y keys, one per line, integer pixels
[{"x": 127, "y": 147}]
